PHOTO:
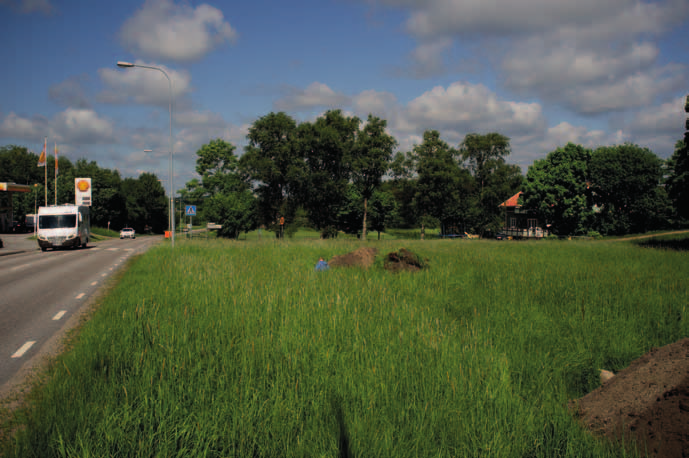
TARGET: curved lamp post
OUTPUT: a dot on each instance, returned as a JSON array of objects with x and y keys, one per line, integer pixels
[{"x": 171, "y": 221}]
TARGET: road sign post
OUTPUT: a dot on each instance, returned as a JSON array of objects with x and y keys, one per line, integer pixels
[{"x": 190, "y": 211}]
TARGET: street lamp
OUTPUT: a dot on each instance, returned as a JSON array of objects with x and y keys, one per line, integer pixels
[{"x": 169, "y": 81}]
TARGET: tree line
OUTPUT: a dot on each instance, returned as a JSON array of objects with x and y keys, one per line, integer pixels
[
  {"x": 139, "y": 203},
  {"x": 339, "y": 173}
]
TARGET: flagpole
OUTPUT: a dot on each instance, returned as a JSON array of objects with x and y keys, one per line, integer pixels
[
  {"x": 45, "y": 148},
  {"x": 55, "y": 173}
]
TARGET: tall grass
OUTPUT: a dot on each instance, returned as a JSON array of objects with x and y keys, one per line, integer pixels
[{"x": 242, "y": 349}]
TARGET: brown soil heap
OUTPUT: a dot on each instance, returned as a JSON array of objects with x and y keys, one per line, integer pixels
[
  {"x": 362, "y": 257},
  {"x": 648, "y": 402},
  {"x": 403, "y": 260}
]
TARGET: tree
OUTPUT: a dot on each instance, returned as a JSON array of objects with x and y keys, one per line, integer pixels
[
  {"x": 272, "y": 161},
  {"x": 442, "y": 184},
  {"x": 678, "y": 180},
  {"x": 226, "y": 195},
  {"x": 557, "y": 189},
  {"x": 625, "y": 185},
  {"x": 234, "y": 211},
  {"x": 482, "y": 152},
  {"x": 495, "y": 180},
  {"x": 218, "y": 167},
  {"x": 370, "y": 160},
  {"x": 146, "y": 203},
  {"x": 383, "y": 210},
  {"x": 107, "y": 201},
  {"x": 326, "y": 148}
]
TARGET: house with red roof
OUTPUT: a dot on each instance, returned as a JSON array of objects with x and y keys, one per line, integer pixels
[{"x": 519, "y": 222}]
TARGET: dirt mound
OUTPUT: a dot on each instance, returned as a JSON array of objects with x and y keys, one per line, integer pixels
[
  {"x": 362, "y": 257},
  {"x": 647, "y": 403},
  {"x": 403, "y": 260}
]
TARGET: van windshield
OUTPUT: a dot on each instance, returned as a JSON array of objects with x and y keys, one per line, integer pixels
[{"x": 57, "y": 221}]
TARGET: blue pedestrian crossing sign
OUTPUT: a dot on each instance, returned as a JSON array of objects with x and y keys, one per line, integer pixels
[{"x": 190, "y": 210}]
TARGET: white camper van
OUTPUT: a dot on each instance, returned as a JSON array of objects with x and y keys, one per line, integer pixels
[{"x": 63, "y": 226}]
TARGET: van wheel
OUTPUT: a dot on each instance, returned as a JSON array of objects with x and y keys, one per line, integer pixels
[{"x": 43, "y": 248}]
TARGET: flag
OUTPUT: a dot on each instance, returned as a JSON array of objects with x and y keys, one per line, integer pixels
[
  {"x": 41, "y": 160},
  {"x": 55, "y": 159}
]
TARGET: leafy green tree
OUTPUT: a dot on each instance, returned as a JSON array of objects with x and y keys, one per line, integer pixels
[
  {"x": 495, "y": 180},
  {"x": 326, "y": 148},
  {"x": 625, "y": 184},
  {"x": 107, "y": 201},
  {"x": 484, "y": 152},
  {"x": 557, "y": 190},
  {"x": 235, "y": 211},
  {"x": 383, "y": 211},
  {"x": 500, "y": 182},
  {"x": 442, "y": 184},
  {"x": 678, "y": 180},
  {"x": 218, "y": 167},
  {"x": 402, "y": 186},
  {"x": 147, "y": 205},
  {"x": 225, "y": 193},
  {"x": 370, "y": 160},
  {"x": 272, "y": 161}
]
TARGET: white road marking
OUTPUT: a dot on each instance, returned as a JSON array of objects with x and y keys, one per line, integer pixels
[
  {"x": 103, "y": 275},
  {"x": 23, "y": 349},
  {"x": 94, "y": 283},
  {"x": 81, "y": 295},
  {"x": 59, "y": 315},
  {"x": 113, "y": 249}
]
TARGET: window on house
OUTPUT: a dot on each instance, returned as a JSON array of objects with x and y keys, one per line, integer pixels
[
  {"x": 532, "y": 222},
  {"x": 513, "y": 222}
]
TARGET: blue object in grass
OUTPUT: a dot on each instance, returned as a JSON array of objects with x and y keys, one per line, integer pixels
[{"x": 322, "y": 265}]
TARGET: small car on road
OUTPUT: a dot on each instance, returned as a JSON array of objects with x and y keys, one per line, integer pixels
[{"x": 127, "y": 233}]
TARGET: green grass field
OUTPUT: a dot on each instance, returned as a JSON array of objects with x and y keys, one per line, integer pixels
[{"x": 240, "y": 349}]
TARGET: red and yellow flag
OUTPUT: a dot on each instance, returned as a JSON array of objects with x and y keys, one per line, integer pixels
[{"x": 41, "y": 160}]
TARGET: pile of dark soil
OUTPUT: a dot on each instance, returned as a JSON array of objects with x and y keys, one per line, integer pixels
[
  {"x": 362, "y": 257},
  {"x": 403, "y": 260},
  {"x": 646, "y": 404},
  {"x": 365, "y": 257}
]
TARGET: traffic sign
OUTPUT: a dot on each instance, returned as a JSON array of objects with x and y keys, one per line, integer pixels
[{"x": 190, "y": 210}]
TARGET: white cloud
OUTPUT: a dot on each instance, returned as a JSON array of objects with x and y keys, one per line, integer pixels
[
  {"x": 70, "y": 92},
  {"x": 163, "y": 30},
  {"x": 82, "y": 126},
  {"x": 73, "y": 127},
  {"x": 667, "y": 118},
  {"x": 435, "y": 18},
  {"x": 590, "y": 80},
  {"x": 315, "y": 95},
  {"x": 145, "y": 86},
  {"x": 465, "y": 107},
  {"x": 381, "y": 104},
  {"x": 15, "y": 126},
  {"x": 633, "y": 91}
]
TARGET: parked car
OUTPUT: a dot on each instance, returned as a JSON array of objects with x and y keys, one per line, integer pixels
[
  {"x": 500, "y": 236},
  {"x": 127, "y": 233}
]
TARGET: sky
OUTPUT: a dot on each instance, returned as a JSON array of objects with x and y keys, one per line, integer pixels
[{"x": 542, "y": 72}]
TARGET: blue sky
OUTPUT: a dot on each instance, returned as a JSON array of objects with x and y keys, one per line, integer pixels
[{"x": 543, "y": 72}]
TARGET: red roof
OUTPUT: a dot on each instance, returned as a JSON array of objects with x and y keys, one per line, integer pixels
[{"x": 512, "y": 201}]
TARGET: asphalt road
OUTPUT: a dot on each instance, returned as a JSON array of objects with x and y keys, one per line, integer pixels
[{"x": 43, "y": 293}]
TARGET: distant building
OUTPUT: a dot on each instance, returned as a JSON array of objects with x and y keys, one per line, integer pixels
[
  {"x": 521, "y": 223},
  {"x": 6, "y": 207}
]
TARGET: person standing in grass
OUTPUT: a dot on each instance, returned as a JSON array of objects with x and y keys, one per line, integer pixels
[{"x": 322, "y": 265}]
